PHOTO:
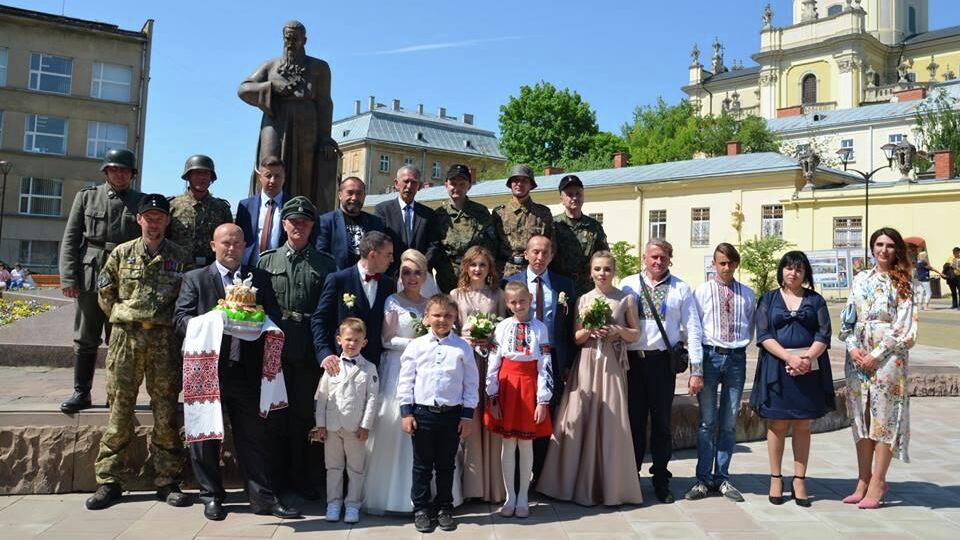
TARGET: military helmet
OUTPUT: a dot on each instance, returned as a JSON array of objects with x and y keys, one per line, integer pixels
[
  {"x": 524, "y": 171},
  {"x": 199, "y": 162},
  {"x": 119, "y": 157}
]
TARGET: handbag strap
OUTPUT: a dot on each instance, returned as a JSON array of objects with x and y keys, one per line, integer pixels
[{"x": 653, "y": 308}]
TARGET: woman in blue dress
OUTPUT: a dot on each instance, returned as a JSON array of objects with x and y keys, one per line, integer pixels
[{"x": 793, "y": 385}]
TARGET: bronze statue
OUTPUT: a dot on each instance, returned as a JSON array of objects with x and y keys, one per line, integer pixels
[{"x": 293, "y": 92}]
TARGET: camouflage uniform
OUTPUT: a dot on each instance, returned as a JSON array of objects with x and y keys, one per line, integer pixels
[
  {"x": 576, "y": 241},
  {"x": 139, "y": 292},
  {"x": 513, "y": 224},
  {"x": 192, "y": 223},
  {"x": 459, "y": 230}
]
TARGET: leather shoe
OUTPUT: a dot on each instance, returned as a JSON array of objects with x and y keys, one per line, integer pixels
[
  {"x": 281, "y": 511},
  {"x": 664, "y": 495},
  {"x": 76, "y": 403},
  {"x": 106, "y": 495},
  {"x": 214, "y": 510}
]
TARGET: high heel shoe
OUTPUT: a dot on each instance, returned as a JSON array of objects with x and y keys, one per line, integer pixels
[
  {"x": 873, "y": 504},
  {"x": 853, "y": 498},
  {"x": 800, "y": 502},
  {"x": 774, "y": 499}
]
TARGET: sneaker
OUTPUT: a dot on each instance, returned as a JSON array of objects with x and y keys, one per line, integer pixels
[
  {"x": 730, "y": 492},
  {"x": 445, "y": 520},
  {"x": 423, "y": 522},
  {"x": 333, "y": 511},
  {"x": 351, "y": 515},
  {"x": 697, "y": 492}
]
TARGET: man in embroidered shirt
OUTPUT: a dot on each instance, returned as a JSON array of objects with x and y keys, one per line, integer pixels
[
  {"x": 438, "y": 391},
  {"x": 726, "y": 309},
  {"x": 651, "y": 379}
]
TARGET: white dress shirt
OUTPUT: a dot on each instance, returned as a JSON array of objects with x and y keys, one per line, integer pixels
[
  {"x": 729, "y": 330},
  {"x": 275, "y": 225},
  {"x": 438, "y": 371},
  {"x": 227, "y": 276},
  {"x": 529, "y": 344},
  {"x": 369, "y": 286},
  {"x": 548, "y": 301},
  {"x": 678, "y": 314}
]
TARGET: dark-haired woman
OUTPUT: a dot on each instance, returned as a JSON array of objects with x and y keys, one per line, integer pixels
[
  {"x": 793, "y": 385},
  {"x": 876, "y": 367}
]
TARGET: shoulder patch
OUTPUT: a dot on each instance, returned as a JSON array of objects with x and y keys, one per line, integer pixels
[
  {"x": 88, "y": 188},
  {"x": 268, "y": 252}
]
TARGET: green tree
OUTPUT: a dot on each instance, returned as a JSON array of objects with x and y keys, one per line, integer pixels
[
  {"x": 938, "y": 127},
  {"x": 760, "y": 257},
  {"x": 600, "y": 156},
  {"x": 544, "y": 125},
  {"x": 627, "y": 263}
]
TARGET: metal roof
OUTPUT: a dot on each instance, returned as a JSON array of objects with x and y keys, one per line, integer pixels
[
  {"x": 932, "y": 35},
  {"x": 413, "y": 129},
  {"x": 734, "y": 74},
  {"x": 643, "y": 174}
]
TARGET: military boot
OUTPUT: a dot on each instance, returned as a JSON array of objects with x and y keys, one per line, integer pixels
[
  {"x": 106, "y": 495},
  {"x": 82, "y": 382}
]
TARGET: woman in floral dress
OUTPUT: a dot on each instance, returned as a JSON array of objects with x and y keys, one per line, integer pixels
[
  {"x": 879, "y": 327},
  {"x": 477, "y": 292}
]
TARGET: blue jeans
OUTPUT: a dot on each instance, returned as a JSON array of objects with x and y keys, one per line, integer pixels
[{"x": 718, "y": 433}]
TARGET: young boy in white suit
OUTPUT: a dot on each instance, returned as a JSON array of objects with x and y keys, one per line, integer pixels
[{"x": 346, "y": 409}]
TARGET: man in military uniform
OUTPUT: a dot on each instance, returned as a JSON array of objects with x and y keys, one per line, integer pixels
[
  {"x": 515, "y": 222},
  {"x": 297, "y": 272},
  {"x": 461, "y": 224},
  {"x": 101, "y": 218},
  {"x": 138, "y": 289},
  {"x": 577, "y": 236},
  {"x": 195, "y": 213}
]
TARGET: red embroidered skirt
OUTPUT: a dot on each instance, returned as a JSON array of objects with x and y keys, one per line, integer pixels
[{"x": 518, "y": 400}]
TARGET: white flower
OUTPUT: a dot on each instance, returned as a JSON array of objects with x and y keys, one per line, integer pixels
[
  {"x": 562, "y": 298},
  {"x": 349, "y": 299}
]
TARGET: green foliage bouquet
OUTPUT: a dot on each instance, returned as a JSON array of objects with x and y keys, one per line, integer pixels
[
  {"x": 482, "y": 325},
  {"x": 597, "y": 315}
]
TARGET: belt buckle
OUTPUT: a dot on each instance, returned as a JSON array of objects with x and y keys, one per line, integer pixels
[
  {"x": 147, "y": 325},
  {"x": 436, "y": 409},
  {"x": 296, "y": 316}
]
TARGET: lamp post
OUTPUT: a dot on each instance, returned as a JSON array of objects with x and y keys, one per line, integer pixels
[
  {"x": 5, "y": 168},
  {"x": 904, "y": 152}
]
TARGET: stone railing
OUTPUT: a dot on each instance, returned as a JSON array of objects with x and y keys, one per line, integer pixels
[{"x": 819, "y": 107}]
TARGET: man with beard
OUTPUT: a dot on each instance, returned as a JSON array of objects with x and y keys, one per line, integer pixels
[
  {"x": 196, "y": 213},
  {"x": 409, "y": 223},
  {"x": 293, "y": 92},
  {"x": 339, "y": 231}
]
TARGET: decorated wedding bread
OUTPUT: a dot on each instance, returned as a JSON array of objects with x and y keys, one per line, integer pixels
[{"x": 240, "y": 303}]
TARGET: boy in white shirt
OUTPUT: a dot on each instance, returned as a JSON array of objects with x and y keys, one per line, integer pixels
[
  {"x": 346, "y": 409},
  {"x": 439, "y": 389}
]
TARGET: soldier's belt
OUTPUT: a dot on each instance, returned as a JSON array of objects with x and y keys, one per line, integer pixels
[
  {"x": 518, "y": 259},
  {"x": 295, "y": 316},
  {"x": 106, "y": 246}
]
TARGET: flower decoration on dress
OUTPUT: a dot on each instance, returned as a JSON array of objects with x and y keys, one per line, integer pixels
[{"x": 349, "y": 299}]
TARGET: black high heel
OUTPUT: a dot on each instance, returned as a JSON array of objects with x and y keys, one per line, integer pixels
[
  {"x": 800, "y": 502},
  {"x": 777, "y": 500}
]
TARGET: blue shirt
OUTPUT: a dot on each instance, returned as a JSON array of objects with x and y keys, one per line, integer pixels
[{"x": 549, "y": 300}]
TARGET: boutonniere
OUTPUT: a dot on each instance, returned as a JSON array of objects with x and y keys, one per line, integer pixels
[
  {"x": 562, "y": 299},
  {"x": 349, "y": 299}
]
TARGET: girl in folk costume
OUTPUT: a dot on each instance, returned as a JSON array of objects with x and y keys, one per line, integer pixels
[{"x": 519, "y": 386}]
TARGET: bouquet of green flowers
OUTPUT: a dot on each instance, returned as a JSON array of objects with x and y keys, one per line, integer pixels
[
  {"x": 420, "y": 327},
  {"x": 597, "y": 315},
  {"x": 482, "y": 325}
]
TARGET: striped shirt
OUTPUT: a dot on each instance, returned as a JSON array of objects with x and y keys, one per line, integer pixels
[{"x": 726, "y": 313}]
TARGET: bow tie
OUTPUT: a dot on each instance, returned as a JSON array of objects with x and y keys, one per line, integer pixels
[
  {"x": 368, "y": 277},
  {"x": 349, "y": 360}
]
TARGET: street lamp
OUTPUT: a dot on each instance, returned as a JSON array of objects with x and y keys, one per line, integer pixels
[
  {"x": 904, "y": 152},
  {"x": 5, "y": 168}
]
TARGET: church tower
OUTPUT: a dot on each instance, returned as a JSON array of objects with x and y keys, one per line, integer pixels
[{"x": 890, "y": 21}]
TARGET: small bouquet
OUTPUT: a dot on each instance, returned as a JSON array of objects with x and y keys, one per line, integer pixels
[
  {"x": 420, "y": 327},
  {"x": 597, "y": 316},
  {"x": 482, "y": 325},
  {"x": 349, "y": 299}
]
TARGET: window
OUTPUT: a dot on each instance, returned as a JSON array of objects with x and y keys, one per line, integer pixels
[
  {"x": 912, "y": 19},
  {"x": 896, "y": 138},
  {"x": 437, "y": 171},
  {"x": 808, "y": 89},
  {"x": 772, "y": 221},
  {"x": 40, "y": 196},
  {"x": 384, "y": 163},
  {"x": 1, "y": 129},
  {"x": 3, "y": 66},
  {"x": 355, "y": 162},
  {"x": 102, "y": 136},
  {"x": 847, "y": 232},
  {"x": 658, "y": 224},
  {"x": 408, "y": 162},
  {"x": 40, "y": 256},
  {"x": 45, "y": 135},
  {"x": 699, "y": 227},
  {"x": 50, "y": 73},
  {"x": 598, "y": 217},
  {"x": 111, "y": 81},
  {"x": 848, "y": 143},
  {"x": 835, "y": 9}
]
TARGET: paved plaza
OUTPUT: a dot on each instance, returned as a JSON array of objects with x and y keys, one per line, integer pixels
[{"x": 924, "y": 502}]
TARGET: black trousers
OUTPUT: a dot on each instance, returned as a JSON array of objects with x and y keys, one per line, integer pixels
[
  {"x": 952, "y": 283},
  {"x": 296, "y": 465},
  {"x": 241, "y": 399},
  {"x": 435, "y": 443},
  {"x": 650, "y": 388}
]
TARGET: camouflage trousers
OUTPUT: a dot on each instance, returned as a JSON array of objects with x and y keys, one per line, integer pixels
[
  {"x": 447, "y": 276},
  {"x": 136, "y": 353}
]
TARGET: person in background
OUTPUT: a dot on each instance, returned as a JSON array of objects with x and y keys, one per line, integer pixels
[
  {"x": 950, "y": 276},
  {"x": 461, "y": 224},
  {"x": 578, "y": 236},
  {"x": 259, "y": 216},
  {"x": 339, "y": 231},
  {"x": 921, "y": 288},
  {"x": 196, "y": 213}
]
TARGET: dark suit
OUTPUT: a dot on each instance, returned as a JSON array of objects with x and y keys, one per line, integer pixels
[
  {"x": 248, "y": 217},
  {"x": 561, "y": 344},
  {"x": 425, "y": 237},
  {"x": 331, "y": 235},
  {"x": 331, "y": 310},
  {"x": 239, "y": 389}
]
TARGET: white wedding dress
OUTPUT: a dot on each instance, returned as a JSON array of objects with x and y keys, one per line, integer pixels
[{"x": 389, "y": 475}]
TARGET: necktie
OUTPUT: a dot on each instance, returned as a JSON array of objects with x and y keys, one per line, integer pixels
[
  {"x": 408, "y": 222},
  {"x": 539, "y": 281},
  {"x": 234, "y": 342},
  {"x": 726, "y": 314},
  {"x": 267, "y": 227},
  {"x": 371, "y": 277}
]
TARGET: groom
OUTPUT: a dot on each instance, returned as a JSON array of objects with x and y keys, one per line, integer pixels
[{"x": 356, "y": 291}]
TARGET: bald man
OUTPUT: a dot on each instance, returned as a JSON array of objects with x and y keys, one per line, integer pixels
[{"x": 240, "y": 368}]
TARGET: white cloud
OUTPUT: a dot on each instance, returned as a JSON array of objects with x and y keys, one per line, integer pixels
[{"x": 442, "y": 45}]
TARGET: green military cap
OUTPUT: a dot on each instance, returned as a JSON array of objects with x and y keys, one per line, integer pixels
[
  {"x": 522, "y": 170},
  {"x": 298, "y": 206}
]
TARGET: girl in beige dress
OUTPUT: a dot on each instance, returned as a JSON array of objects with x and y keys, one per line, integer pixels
[
  {"x": 590, "y": 459},
  {"x": 477, "y": 292}
]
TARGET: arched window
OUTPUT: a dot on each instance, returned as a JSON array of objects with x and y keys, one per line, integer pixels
[
  {"x": 912, "y": 18},
  {"x": 808, "y": 86},
  {"x": 835, "y": 9}
]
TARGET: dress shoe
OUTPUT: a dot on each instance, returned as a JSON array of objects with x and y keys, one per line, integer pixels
[
  {"x": 105, "y": 496},
  {"x": 214, "y": 510},
  {"x": 172, "y": 495},
  {"x": 800, "y": 502},
  {"x": 423, "y": 522},
  {"x": 281, "y": 511},
  {"x": 79, "y": 401},
  {"x": 777, "y": 499},
  {"x": 664, "y": 495}
]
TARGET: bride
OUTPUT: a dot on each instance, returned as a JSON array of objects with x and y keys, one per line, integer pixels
[{"x": 389, "y": 475}]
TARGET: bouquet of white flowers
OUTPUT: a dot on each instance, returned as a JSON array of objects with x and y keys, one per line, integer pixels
[{"x": 482, "y": 325}]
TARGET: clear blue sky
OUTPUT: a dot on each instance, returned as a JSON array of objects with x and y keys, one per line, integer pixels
[{"x": 466, "y": 56}]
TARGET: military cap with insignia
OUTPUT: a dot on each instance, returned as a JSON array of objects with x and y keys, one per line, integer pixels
[
  {"x": 154, "y": 201},
  {"x": 521, "y": 170},
  {"x": 459, "y": 171},
  {"x": 570, "y": 180},
  {"x": 298, "y": 206}
]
